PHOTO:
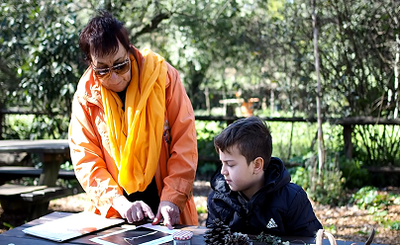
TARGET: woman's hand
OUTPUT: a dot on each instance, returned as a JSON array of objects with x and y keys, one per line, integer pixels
[
  {"x": 169, "y": 212},
  {"x": 133, "y": 212}
]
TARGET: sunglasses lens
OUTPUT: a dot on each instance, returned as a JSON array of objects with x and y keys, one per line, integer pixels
[
  {"x": 121, "y": 68},
  {"x": 102, "y": 72}
]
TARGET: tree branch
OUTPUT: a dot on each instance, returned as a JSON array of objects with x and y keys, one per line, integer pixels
[{"x": 153, "y": 24}]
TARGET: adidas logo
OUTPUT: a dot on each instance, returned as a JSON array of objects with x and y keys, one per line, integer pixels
[{"x": 271, "y": 224}]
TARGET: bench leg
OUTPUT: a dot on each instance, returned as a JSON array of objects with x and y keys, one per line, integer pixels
[
  {"x": 51, "y": 166},
  {"x": 23, "y": 211},
  {"x": 38, "y": 210}
]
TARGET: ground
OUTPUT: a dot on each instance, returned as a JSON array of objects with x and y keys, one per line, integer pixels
[{"x": 345, "y": 222}]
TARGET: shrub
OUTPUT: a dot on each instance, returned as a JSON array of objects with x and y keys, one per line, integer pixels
[
  {"x": 369, "y": 197},
  {"x": 206, "y": 131},
  {"x": 326, "y": 189}
]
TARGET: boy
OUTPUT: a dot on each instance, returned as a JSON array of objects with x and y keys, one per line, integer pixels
[{"x": 252, "y": 191}]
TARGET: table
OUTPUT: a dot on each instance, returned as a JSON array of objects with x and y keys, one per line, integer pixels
[
  {"x": 52, "y": 153},
  {"x": 18, "y": 237}
]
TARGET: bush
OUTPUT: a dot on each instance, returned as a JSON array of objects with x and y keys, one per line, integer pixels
[
  {"x": 326, "y": 189},
  {"x": 369, "y": 197},
  {"x": 356, "y": 176},
  {"x": 206, "y": 131}
]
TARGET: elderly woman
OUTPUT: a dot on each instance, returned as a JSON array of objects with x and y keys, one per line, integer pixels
[{"x": 132, "y": 134}]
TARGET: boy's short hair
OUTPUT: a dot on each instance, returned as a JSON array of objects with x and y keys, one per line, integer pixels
[{"x": 252, "y": 137}]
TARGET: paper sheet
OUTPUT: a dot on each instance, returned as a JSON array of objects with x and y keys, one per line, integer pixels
[{"x": 71, "y": 226}]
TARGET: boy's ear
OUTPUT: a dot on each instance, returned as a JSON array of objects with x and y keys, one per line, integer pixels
[{"x": 258, "y": 165}]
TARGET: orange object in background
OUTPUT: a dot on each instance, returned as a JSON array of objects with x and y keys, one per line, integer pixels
[{"x": 247, "y": 107}]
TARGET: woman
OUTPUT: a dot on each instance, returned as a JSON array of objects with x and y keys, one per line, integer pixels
[{"x": 132, "y": 134}]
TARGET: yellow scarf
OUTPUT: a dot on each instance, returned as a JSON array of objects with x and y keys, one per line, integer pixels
[{"x": 136, "y": 134}]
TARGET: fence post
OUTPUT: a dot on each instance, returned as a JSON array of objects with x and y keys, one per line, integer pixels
[
  {"x": 1, "y": 121},
  {"x": 348, "y": 145}
]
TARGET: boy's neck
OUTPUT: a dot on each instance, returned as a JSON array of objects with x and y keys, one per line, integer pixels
[{"x": 258, "y": 183}]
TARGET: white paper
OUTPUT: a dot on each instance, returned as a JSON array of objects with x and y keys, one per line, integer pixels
[{"x": 71, "y": 226}]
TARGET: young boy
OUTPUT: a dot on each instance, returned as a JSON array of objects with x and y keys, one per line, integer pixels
[{"x": 252, "y": 191}]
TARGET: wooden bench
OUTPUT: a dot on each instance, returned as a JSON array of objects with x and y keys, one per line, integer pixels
[{"x": 384, "y": 170}]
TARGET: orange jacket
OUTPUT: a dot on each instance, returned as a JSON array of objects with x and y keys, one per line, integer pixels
[{"x": 91, "y": 156}]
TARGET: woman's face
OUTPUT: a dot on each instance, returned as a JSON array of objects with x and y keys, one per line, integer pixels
[{"x": 113, "y": 81}]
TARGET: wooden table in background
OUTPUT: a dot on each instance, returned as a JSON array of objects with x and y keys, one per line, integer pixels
[
  {"x": 18, "y": 237},
  {"x": 52, "y": 153}
]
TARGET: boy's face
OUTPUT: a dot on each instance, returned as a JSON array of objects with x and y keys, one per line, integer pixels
[{"x": 238, "y": 174}]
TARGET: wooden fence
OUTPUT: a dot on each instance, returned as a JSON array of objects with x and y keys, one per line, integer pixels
[{"x": 347, "y": 124}]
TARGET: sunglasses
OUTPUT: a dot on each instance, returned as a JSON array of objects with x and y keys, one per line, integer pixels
[{"x": 105, "y": 73}]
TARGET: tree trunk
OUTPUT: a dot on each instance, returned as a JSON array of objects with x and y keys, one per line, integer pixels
[
  {"x": 207, "y": 99},
  {"x": 316, "y": 57},
  {"x": 396, "y": 79}
]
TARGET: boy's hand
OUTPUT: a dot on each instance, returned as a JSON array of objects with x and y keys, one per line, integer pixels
[{"x": 169, "y": 212}]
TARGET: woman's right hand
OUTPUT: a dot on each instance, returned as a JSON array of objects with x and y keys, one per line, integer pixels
[{"x": 132, "y": 211}]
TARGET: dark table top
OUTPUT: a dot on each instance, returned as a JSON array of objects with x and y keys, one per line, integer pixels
[{"x": 16, "y": 236}]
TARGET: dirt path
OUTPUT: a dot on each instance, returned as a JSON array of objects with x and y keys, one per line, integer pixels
[{"x": 346, "y": 222}]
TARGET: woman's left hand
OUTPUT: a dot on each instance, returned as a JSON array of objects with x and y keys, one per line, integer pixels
[{"x": 169, "y": 212}]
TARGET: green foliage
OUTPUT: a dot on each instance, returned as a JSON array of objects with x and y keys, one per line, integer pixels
[
  {"x": 379, "y": 145},
  {"x": 67, "y": 183},
  {"x": 269, "y": 239},
  {"x": 365, "y": 197},
  {"x": 34, "y": 127},
  {"x": 377, "y": 204},
  {"x": 40, "y": 46},
  {"x": 300, "y": 176},
  {"x": 26, "y": 181},
  {"x": 206, "y": 131},
  {"x": 395, "y": 225},
  {"x": 328, "y": 189},
  {"x": 355, "y": 175},
  {"x": 17, "y": 127},
  {"x": 206, "y": 169},
  {"x": 299, "y": 139},
  {"x": 201, "y": 210},
  {"x": 5, "y": 224},
  {"x": 368, "y": 197},
  {"x": 67, "y": 166},
  {"x": 332, "y": 229}
]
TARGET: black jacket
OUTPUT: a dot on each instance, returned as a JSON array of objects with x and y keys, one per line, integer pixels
[{"x": 280, "y": 208}]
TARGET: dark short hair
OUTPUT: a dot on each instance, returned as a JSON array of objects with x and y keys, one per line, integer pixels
[
  {"x": 251, "y": 136},
  {"x": 101, "y": 34}
]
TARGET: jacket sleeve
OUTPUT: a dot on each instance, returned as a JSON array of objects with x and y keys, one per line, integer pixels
[
  {"x": 88, "y": 160},
  {"x": 301, "y": 217},
  {"x": 182, "y": 158}
]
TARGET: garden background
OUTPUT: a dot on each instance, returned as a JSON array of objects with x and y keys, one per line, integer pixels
[{"x": 302, "y": 66}]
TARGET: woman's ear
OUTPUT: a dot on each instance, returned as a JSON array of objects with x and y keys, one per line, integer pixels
[{"x": 258, "y": 165}]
